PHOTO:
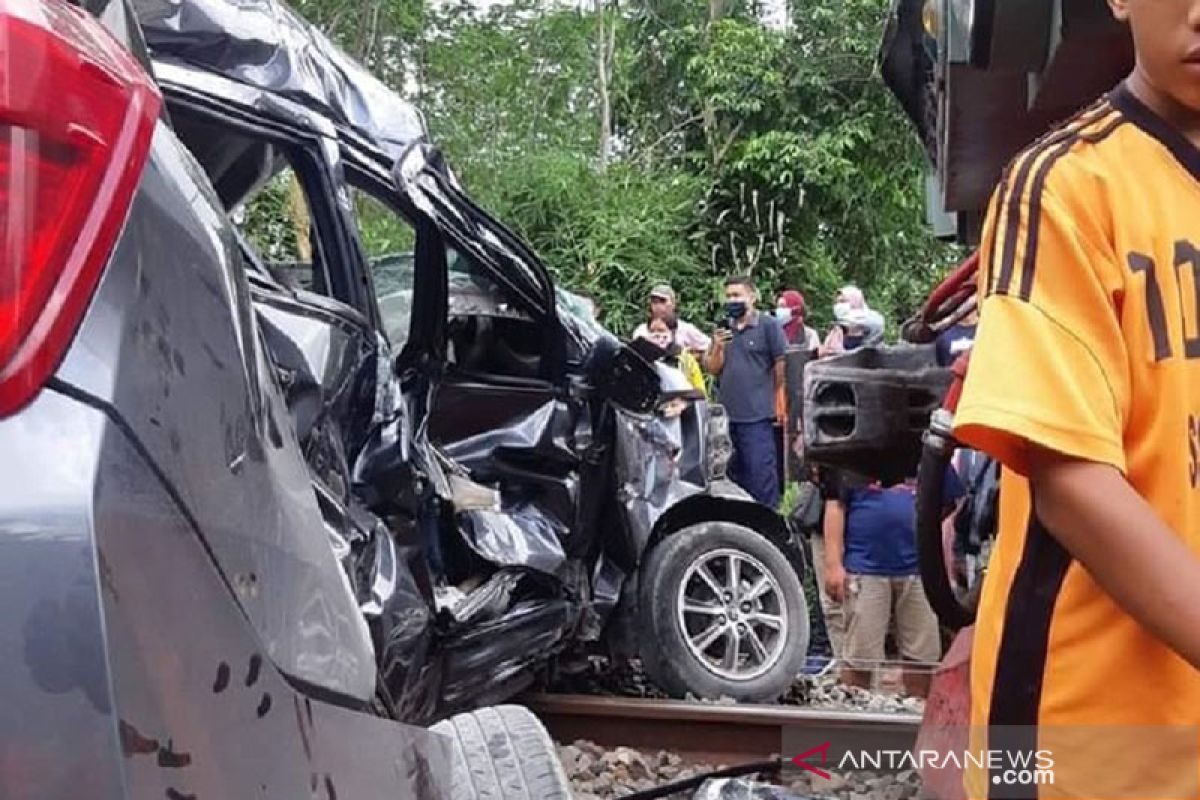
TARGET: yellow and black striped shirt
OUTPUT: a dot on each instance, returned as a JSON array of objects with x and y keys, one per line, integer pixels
[{"x": 1089, "y": 345}]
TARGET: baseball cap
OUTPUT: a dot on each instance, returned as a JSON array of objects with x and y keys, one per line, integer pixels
[{"x": 664, "y": 291}]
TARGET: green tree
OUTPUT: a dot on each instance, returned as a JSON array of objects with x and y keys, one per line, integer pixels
[
  {"x": 812, "y": 176},
  {"x": 731, "y": 147}
]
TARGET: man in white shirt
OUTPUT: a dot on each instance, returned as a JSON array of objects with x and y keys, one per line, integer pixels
[{"x": 688, "y": 336}]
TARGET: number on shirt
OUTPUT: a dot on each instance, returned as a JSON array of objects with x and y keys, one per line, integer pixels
[
  {"x": 1186, "y": 254},
  {"x": 1154, "y": 305}
]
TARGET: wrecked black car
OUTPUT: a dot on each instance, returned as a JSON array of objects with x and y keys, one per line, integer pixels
[
  {"x": 507, "y": 487},
  {"x": 271, "y": 500}
]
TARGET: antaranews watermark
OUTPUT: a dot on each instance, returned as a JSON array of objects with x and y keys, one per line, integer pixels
[
  {"x": 1009, "y": 767},
  {"x": 1037, "y": 765},
  {"x": 1100, "y": 762}
]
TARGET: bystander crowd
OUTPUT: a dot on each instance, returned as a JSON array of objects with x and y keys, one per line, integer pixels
[
  {"x": 663, "y": 330},
  {"x": 855, "y": 324},
  {"x": 791, "y": 312}
]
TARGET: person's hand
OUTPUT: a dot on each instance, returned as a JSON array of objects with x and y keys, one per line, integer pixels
[
  {"x": 835, "y": 582},
  {"x": 721, "y": 337},
  {"x": 832, "y": 344}
]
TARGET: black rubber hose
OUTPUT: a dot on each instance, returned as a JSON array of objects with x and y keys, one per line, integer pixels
[
  {"x": 668, "y": 789},
  {"x": 931, "y": 479}
]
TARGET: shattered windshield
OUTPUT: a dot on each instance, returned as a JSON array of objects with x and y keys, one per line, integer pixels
[
  {"x": 576, "y": 309},
  {"x": 393, "y": 276}
]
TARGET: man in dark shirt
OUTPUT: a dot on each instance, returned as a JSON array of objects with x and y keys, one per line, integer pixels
[
  {"x": 871, "y": 569},
  {"x": 955, "y": 340},
  {"x": 747, "y": 360}
]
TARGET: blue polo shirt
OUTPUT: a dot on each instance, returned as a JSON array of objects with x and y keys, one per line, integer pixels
[
  {"x": 747, "y": 385},
  {"x": 881, "y": 537},
  {"x": 953, "y": 342}
]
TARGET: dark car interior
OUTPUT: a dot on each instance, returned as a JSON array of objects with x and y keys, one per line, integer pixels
[
  {"x": 495, "y": 411},
  {"x": 488, "y": 331}
]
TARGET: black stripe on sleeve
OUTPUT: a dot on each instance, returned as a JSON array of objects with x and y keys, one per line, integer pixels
[
  {"x": 1024, "y": 645},
  {"x": 1013, "y": 214},
  {"x": 997, "y": 218},
  {"x": 1013, "y": 219},
  {"x": 1035, "y": 199}
]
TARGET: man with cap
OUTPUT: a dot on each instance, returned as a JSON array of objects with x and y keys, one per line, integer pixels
[{"x": 688, "y": 336}]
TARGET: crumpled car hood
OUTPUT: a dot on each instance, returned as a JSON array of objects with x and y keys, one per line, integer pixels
[{"x": 265, "y": 44}]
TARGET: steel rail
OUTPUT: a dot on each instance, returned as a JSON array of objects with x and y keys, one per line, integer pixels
[{"x": 718, "y": 734}]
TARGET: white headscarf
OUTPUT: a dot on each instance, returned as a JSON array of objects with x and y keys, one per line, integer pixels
[{"x": 852, "y": 311}]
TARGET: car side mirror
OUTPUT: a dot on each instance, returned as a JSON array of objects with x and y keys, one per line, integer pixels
[{"x": 623, "y": 376}]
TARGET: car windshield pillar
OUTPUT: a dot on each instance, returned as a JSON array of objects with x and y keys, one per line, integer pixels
[{"x": 421, "y": 175}]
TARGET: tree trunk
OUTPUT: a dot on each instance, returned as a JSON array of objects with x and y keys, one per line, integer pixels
[
  {"x": 298, "y": 214},
  {"x": 712, "y": 132},
  {"x": 605, "y": 43}
]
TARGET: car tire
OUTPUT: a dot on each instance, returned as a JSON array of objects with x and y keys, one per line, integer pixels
[
  {"x": 503, "y": 753},
  {"x": 670, "y": 582}
]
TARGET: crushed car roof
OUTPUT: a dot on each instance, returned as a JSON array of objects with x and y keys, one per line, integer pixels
[{"x": 267, "y": 45}]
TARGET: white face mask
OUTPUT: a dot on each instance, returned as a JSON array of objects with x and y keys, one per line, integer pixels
[
  {"x": 663, "y": 340},
  {"x": 841, "y": 311},
  {"x": 783, "y": 314}
]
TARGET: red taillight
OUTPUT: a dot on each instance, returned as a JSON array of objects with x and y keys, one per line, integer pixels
[{"x": 77, "y": 115}]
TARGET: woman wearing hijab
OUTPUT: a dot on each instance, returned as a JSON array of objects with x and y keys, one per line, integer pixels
[
  {"x": 790, "y": 310},
  {"x": 855, "y": 324}
]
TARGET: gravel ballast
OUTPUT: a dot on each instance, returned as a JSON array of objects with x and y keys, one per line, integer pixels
[
  {"x": 824, "y": 692},
  {"x": 598, "y": 774}
]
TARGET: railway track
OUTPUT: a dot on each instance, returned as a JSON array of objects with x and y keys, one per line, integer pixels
[{"x": 720, "y": 734}]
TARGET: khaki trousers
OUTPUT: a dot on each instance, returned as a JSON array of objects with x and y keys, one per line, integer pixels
[
  {"x": 835, "y": 620},
  {"x": 873, "y": 602}
]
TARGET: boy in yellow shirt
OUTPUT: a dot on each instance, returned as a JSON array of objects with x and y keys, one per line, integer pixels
[{"x": 1085, "y": 384}]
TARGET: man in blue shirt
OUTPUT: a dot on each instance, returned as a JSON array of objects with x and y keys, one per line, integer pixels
[
  {"x": 871, "y": 568},
  {"x": 747, "y": 359},
  {"x": 956, "y": 340}
]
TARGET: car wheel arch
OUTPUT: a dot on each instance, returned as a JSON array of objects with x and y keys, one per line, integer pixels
[{"x": 746, "y": 513}]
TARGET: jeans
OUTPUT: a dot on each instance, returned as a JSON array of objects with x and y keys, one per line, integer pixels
[{"x": 753, "y": 466}]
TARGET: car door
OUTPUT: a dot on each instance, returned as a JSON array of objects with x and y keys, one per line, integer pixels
[
  {"x": 281, "y": 184},
  {"x": 504, "y": 407}
]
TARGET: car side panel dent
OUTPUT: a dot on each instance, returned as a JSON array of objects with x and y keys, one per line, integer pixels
[
  {"x": 201, "y": 709},
  {"x": 170, "y": 344}
]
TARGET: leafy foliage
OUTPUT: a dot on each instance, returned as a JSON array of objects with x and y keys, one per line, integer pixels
[
  {"x": 736, "y": 147},
  {"x": 612, "y": 235},
  {"x": 268, "y": 224}
]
